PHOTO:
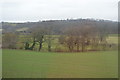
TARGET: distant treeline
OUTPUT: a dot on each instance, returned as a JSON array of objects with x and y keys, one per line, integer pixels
[{"x": 59, "y": 25}]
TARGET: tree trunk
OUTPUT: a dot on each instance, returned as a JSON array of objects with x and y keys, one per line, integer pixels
[
  {"x": 49, "y": 46},
  {"x": 40, "y": 46},
  {"x": 31, "y": 48},
  {"x": 77, "y": 48},
  {"x": 40, "y": 43},
  {"x": 49, "y": 43},
  {"x": 83, "y": 46},
  {"x": 26, "y": 46},
  {"x": 33, "y": 45}
]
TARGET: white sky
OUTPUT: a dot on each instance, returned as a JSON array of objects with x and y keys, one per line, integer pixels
[{"x": 35, "y": 10}]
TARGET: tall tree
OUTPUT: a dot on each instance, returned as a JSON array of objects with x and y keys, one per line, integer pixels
[
  {"x": 9, "y": 40},
  {"x": 38, "y": 34}
]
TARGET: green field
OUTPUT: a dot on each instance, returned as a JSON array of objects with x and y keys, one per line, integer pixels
[{"x": 30, "y": 64}]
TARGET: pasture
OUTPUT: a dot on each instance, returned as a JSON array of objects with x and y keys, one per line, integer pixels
[{"x": 31, "y": 64}]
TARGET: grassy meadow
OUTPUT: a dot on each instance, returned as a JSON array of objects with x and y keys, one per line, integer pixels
[{"x": 31, "y": 64}]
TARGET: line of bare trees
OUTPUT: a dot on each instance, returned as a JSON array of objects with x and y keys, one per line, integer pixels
[
  {"x": 74, "y": 38},
  {"x": 78, "y": 39}
]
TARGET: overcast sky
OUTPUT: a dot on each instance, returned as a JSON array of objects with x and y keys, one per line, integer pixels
[{"x": 35, "y": 10}]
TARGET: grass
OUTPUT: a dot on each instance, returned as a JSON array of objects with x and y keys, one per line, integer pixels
[
  {"x": 22, "y": 29},
  {"x": 30, "y": 64},
  {"x": 113, "y": 39}
]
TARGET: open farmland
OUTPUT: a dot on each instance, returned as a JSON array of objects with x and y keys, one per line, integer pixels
[
  {"x": 30, "y": 64},
  {"x": 60, "y": 49}
]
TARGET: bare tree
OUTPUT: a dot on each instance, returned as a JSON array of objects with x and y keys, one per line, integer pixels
[
  {"x": 38, "y": 36},
  {"x": 49, "y": 37},
  {"x": 9, "y": 40},
  {"x": 77, "y": 37}
]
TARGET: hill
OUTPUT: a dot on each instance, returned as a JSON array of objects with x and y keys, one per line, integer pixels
[{"x": 59, "y": 25}]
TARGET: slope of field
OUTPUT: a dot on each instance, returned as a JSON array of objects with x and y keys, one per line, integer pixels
[
  {"x": 113, "y": 39},
  {"x": 29, "y": 64}
]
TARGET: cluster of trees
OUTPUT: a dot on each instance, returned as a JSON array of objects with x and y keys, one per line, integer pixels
[
  {"x": 37, "y": 35},
  {"x": 78, "y": 39},
  {"x": 75, "y": 35},
  {"x": 9, "y": 40},
  {"x": 73, "y": 38},
  {"x": 31, "y": 38}
]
